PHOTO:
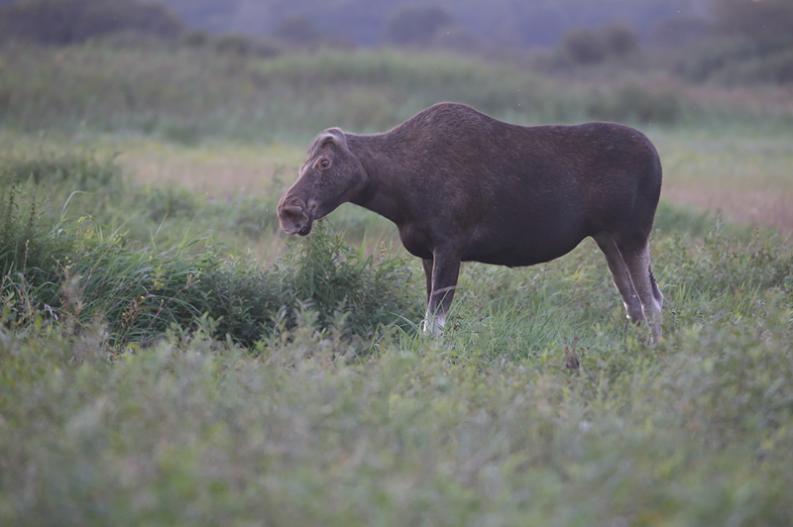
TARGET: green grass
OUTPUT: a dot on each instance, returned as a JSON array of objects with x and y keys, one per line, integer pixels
[
  {"x": 168, "y": 358},
  {"x": 77, "y": 265},
  {"x": 329, "y": 414},
  {"x": 186, "y": 95}
]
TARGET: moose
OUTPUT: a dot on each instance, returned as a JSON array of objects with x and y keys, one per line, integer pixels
[{"x": 462, "y": 186}]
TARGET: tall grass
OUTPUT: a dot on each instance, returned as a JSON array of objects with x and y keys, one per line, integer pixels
[
  {"x": 185, "y": 94},
  {"x": 493, "y": 424},
  {"x": 81, "y": 270},
  {"x": 151, "y": 373}
]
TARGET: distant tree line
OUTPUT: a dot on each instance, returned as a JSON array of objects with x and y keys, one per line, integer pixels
[
  {"x": 730, "y": 40},
  {"x": 71, "y": 21},
  {"x": 403, "y": 22},
  {"x": 757, "y": 18},
  {"x": 496, "y": 23}
]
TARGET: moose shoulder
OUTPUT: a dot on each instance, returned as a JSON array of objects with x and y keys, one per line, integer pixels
[{"x": 462, "y": 186}]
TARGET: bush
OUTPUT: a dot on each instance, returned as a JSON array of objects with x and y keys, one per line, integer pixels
[
  {"x": 584, "y": 47},
  {"x": 62, "y": 22},
  {"x": 620, "y": 40}
]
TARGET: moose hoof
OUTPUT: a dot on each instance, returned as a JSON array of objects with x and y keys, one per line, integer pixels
[{"x": 433, "y": 326}]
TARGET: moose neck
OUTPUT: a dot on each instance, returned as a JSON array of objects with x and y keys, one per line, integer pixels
[{"x": 382, "y": 193}]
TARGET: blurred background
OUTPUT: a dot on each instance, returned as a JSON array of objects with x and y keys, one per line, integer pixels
[{"x": 697, "y": 75}]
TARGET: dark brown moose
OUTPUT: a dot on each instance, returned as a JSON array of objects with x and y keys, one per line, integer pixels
[{"x": 462, "y": 186}]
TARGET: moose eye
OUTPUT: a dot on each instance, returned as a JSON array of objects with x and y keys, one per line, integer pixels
[{"x": 323, "y": 163}]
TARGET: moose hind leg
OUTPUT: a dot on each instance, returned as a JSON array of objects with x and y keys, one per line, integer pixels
[
  {"x": 622, "y": 278},
  {"x": 638, "y": 262},
  {"x": 656, "y": 292}
]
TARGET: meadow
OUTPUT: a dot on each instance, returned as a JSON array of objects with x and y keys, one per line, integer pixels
[{"x": 167, "y": 357}]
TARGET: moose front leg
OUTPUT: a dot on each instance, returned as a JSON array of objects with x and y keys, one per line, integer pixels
[
  {"x": 445, "y": 271},
  {"x": 427, "y": 263}
]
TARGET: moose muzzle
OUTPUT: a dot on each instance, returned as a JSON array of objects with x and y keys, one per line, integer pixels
[{"x": 294, "y": 217}]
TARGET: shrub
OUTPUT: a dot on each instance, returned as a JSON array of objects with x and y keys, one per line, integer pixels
[
  {"x": 620, "y": 40},
  {"x": 583, "y": 46},
  {"x": 69, "y": 21}
]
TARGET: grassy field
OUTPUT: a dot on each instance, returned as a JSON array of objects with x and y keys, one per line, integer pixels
[{"x": 168, "y": 358}]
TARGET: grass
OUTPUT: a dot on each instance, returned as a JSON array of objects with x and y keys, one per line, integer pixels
[
  {"x": 168, "y": 358},
  {"x": 744, "y": 174},
  {"x": 72, "y": 267},
  {"x": 281, "y": 395},
  {"x": 187, "y": 95},
  {"x": 196, "y": 432}
]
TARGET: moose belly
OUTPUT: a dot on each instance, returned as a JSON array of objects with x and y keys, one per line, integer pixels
[{"x": 517, "y": 247}]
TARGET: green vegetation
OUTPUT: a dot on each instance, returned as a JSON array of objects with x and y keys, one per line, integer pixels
[
  {"x": 124, "y": 401},
  {"x": 739, "y": 60},
  {"x": 168, "y": 358},
  {"x": 82, "y": 270},
  {"x": 185, "y": 93}
]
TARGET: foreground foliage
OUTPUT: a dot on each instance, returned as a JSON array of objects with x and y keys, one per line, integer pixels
[
  {"x": 67, "y": 268},
  {"x": 156, "y": 379}
]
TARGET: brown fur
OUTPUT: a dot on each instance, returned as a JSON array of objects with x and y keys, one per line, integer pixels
[{"x": 462, "y": 186}]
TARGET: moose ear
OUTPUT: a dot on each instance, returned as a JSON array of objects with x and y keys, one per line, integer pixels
[{"x": 333, "y": 136}]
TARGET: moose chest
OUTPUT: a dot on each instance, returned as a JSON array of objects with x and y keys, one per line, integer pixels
[{"x": 417, "y": 239}]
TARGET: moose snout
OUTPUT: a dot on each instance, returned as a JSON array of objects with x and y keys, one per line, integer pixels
[{"x": 294, "y": 218}]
